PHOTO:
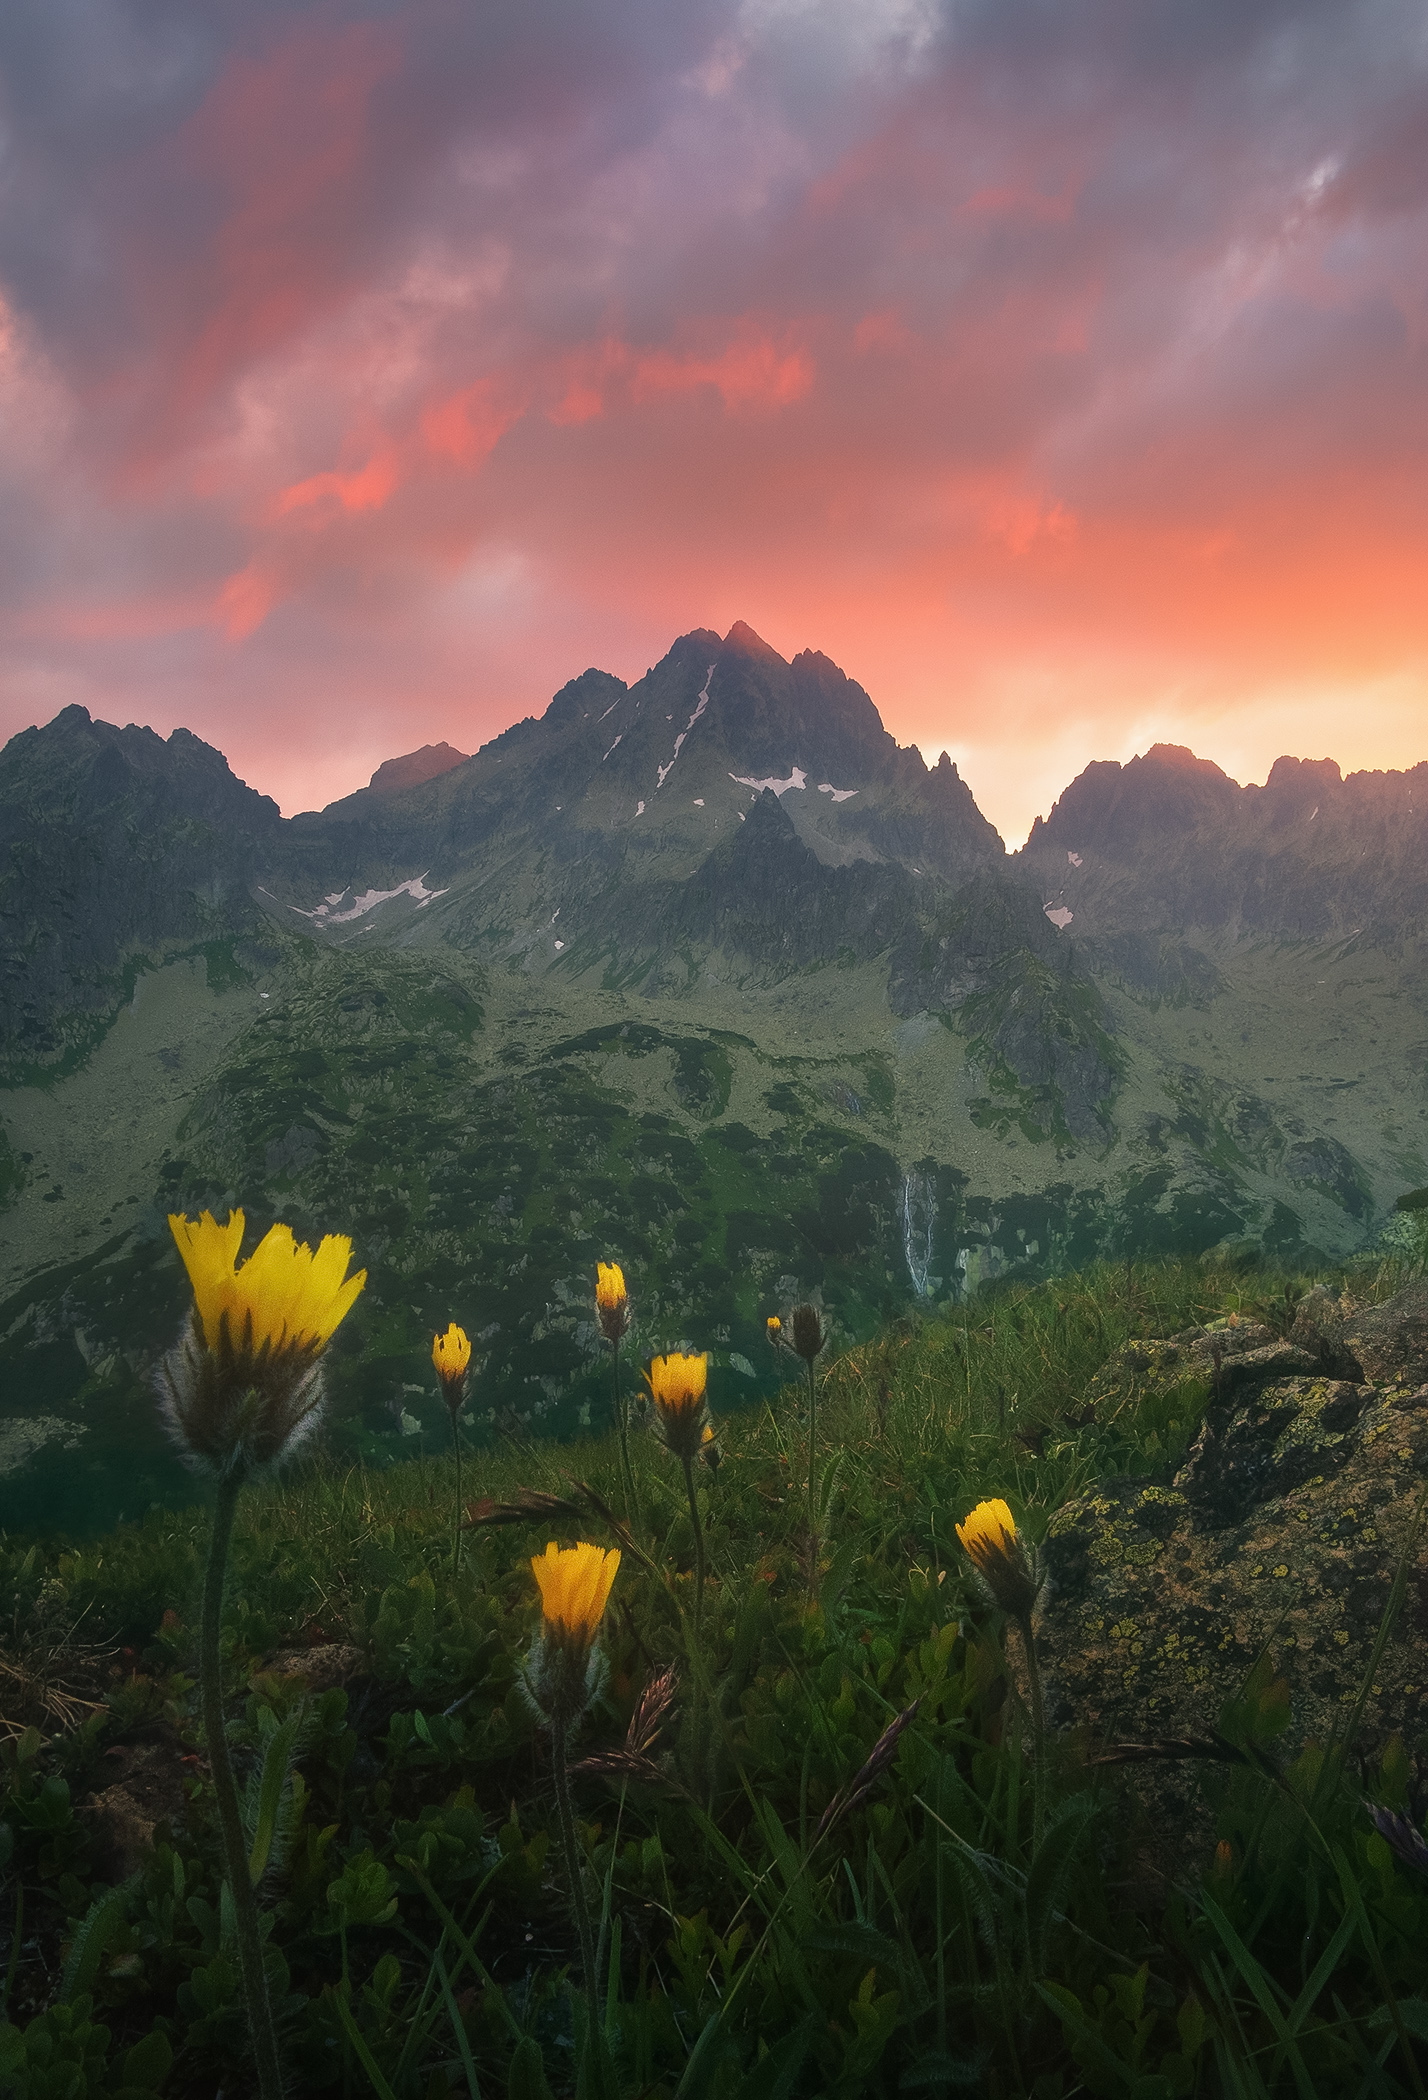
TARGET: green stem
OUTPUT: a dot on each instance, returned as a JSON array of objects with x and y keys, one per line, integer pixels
[
  {"x": 1038, "y": 1727},
  {"x": 622, "y": 1423},
  {"x": 16, "y": 1936},
  {"x": 688, "y": 1465},
  {"x": 456, "y": 1513},
  {"x": 812, "y": 1505},
  {"x": 566, "y": 1817},
  {"x": 235, "y": 1856},
  {"x": 696, "y": 1703}
]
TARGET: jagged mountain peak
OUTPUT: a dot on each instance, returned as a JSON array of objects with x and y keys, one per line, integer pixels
[
  {"x": 1110, "y": 807},
  {"x": 743, "y": 638},
  {"x": 83, "y": 766}
]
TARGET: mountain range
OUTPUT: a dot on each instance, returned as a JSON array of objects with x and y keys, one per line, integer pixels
[{"x": 703, "y": 973}]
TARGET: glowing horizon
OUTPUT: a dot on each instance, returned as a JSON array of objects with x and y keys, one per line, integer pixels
[{"x": 368, "y": 370}]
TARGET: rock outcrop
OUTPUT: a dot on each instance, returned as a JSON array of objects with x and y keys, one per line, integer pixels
[{"x": 1276, "y": 1544}]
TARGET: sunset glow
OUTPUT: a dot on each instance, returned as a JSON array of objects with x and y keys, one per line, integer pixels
[{"x": 368, "y": 371}]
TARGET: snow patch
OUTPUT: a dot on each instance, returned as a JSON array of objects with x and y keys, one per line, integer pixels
[
  {"x": 1075, "y": 859},
  {"x": 838, "y": 794},
  {"x": 1059, "y": 916},
  {"x": 619, "y": 739},
  {"x": 558, "y": 946},
  {"x": 609, "y": 710},
  {"x": 415, "y": 886},
  {"x": 639, "y": 809},
  {"x": 699, "y": 802},
  {"x": 664, "y": 771},
  {"x": 797, "y": 779}
]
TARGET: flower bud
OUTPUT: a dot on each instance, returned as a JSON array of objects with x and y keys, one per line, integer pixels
[
  {"x": 451, "y": 1357},
  {"x": 808, "y": 1336},
  {"x": 611, "y": 1302}
]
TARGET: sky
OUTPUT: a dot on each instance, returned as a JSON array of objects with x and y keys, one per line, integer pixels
[{"x": 1058, "y": 367}]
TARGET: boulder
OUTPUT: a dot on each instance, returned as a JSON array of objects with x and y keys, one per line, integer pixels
[
  {"x": 1276, "y": 1543},
  {"x": 1391, "y": 1341}
]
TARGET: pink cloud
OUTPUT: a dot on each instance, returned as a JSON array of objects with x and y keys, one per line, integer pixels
[
  {"x": 465, "y": 427},
  {"x": 324, "y": 495}
]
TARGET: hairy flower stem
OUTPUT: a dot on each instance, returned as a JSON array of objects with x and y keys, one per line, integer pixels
[
  {"x": 688, "y": 1464},
  {"x": 235, "y": 1857},
  {"x": 697, "y": 1657},
  {"x": 1038, "y": 1727},
  {"x": 566, "y": 1818},
  {"x": 456, "y": 1512},
  {"x": 622, "y": 1423},
  {"x": 812, "y": 1504}
]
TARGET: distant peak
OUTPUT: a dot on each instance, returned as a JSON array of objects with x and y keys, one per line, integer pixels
[
  {"x": 1304, "y": 772},
  {"x": 742, "y": 637},
  {"x": 394, "y": 774},
  {"x": 1183, "y": 759}
]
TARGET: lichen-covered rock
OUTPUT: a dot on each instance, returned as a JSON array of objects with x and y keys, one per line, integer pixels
[
  {"x": 1161, "y": 1606},
  {"x": 1213, "y": 1360},
  {"x": 1279, "y": 1536},
  {"x": 329, "y": 1667}
]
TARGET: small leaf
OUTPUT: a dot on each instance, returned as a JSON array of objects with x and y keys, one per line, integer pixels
[{"x": 149, "y": 2062}]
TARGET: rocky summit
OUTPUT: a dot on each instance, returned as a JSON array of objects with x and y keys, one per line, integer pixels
[{"x": 704, "y": 973}]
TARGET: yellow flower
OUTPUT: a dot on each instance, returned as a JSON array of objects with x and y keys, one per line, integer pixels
[
  {"x": 575, "y": 1584},
  {"x": 677, "y": 1386},
  {"x": 244, "y": 1384},
  {"x": 284, "y": 1296},
  {"x": 775, "y": 1329},
  {"x": 991, "y": 1540},
  {"x": 611, "y": 1301},
  {"x": 450, "y": 1354}
]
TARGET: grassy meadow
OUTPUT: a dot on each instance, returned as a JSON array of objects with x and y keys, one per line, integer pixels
[{"x": 793, "y": 1895}]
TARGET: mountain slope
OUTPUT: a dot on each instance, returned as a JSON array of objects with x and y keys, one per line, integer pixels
[{"x": 703, "y": 973}]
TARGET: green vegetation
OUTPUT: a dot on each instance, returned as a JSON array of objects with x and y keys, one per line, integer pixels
[{"x": 787, "y": 1898}]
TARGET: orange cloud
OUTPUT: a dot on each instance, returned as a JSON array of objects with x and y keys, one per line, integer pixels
[{"x": 331, "y": 493}]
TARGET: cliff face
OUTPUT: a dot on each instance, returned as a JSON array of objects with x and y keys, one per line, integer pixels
[{"x": 112, "y": 841}]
